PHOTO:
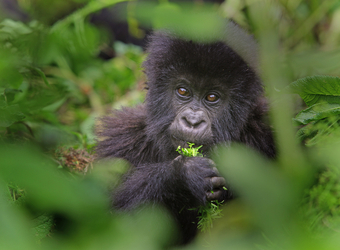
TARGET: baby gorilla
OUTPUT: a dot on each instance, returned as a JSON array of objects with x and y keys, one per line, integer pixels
[{"x": 203, "y": 93}]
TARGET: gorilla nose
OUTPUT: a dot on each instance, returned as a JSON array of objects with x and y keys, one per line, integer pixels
[{"x": 194, "y": 120}]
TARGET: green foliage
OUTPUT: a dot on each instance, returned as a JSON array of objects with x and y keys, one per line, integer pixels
[
  {"x": 321, "y": 118},
  {"x": 317, "y": 112},
  {"x": 54, "y": 76},
  {"x": 207, "y": 214},
  {"x": 42, "y": 226},
  {"x": 83, "y": 202},
  {"x": 317, "y": 89},
  {"x": 190, "y": 152},
  {"x": 321, "y": 128},
  {"x": 201, "y": 23},
  {"x": 321, "y": 205},
  {"x": 53, "y": 85}
]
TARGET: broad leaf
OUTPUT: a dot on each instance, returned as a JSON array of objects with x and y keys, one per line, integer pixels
[
  {"x": 10, "y": 114},
  {"x": 42, "y": 226},
  {"x": 317, "y": 112},
  {"x": 317, "y": 89},
  {"x": 10, "y": 94}
]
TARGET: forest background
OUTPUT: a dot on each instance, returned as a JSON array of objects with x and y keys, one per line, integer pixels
[{"x": 65, "y": 63}]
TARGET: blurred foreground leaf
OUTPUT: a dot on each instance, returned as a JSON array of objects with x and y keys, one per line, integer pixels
[
  {"x": 10, "y": 114},
  {"x": 200, "y": 23},
  {"x": 46, "y": 187},
  {"x": 80, "y": 203},
  {"x": 14, "y": 226},
  {"x": 270, "y": 196},
  {"x": 42, "y": 226}
]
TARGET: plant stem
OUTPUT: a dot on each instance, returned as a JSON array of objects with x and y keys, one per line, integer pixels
[{"x": 91, "y": 7}]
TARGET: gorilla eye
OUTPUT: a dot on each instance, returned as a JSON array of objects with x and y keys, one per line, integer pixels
[
  {"x": 212, "y": 98},
  {"x": 183, "y": 92}
]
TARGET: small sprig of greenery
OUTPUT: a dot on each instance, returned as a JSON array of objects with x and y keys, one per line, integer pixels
[
  {"x": 212, "y": 210},
  {"x": 190, "y": 152}
]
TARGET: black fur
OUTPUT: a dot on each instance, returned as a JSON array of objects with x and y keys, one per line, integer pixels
[{"x": 141, "y": 135}]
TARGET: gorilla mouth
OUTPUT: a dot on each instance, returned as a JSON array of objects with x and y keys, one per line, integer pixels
[
  {"x": 181, "y": 142},
  {"x": 178, "y": 142}
]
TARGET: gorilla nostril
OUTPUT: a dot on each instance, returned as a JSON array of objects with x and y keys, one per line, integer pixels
[{"x": 185, "y": 122}]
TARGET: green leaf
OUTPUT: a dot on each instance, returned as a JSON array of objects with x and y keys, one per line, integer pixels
[
  {"x": 268, "y": 193},
  {"x": 41, "y": 74},
  {"x": 10, "y": 94},
  {"x": 198, "y": 24},
  {"x": 317, "y": 112},
  {"x": 13, "y": 29},
  {"x": 9, "y": 115},
  {"x": 316, "y": 89},
  {"x": 39, "y": 98},
  {"x": 42, "y": 226},
  {"x": 47, "y": 188},
  {"x": 14, "y": 225}
]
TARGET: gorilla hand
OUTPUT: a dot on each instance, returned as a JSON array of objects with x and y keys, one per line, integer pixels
[{"x": 201, "y": 177}]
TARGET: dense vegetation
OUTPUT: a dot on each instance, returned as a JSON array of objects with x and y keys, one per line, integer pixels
[{"x": 54, "y": 82}]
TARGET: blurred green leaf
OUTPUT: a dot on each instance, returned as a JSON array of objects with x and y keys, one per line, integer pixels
[
  {"x": 10, "y": 94},
  {"x": 270, "y": 195},
  {"x": 41, "y": 74},
  {"x": 316, "y": 112},
  {"x": 14, "y": 225},
  {"x": 42, "y": 226},
  {"x": 316, "y": 89},
  {"x": 46, "y": 187},
  {"x": 10, "y": 29},
  {"x": 314, "y": 62},
  {"x": 80, "y": 14},
  {"x": 83, "y": 204},
  {"x": 38, "y": 98},
  {"x": 10, "y": 114},
  {"x": 10, "y": 63},
  {"x": 199, "y": 23}
]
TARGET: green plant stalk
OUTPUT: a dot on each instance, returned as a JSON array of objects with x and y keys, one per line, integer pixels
[
  {"x": 207, "y": 214},
  {"x": 91, "y": 7}
]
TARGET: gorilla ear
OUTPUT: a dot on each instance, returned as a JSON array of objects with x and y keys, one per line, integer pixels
[{"x": 243, "y": 44}]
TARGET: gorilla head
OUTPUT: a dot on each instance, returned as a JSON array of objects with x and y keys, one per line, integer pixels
[{"x": 200, "y": 93}]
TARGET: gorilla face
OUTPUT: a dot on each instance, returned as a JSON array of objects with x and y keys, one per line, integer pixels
[
  {"x": 196, "y": 104},
  {"x": 198, "y": 93}
]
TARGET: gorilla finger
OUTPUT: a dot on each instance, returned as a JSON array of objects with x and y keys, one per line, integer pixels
[
  {"x": 212, "y": 164},
  {"x": 217, "y": 182},
  {"x": 215, "y": 170},
  {"x": 178, "y": 161},
  {"x": 214, "y": 195},
  {"x": 178, "y": 158}
]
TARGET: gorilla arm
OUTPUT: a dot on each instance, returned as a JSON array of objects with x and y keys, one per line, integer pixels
[
  {"x": 176, "y": 183},
  {"x": 185, "y": 182}
]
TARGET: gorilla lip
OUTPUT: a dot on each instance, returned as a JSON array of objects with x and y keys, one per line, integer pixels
[
  {"x": 178, "y": 142},
  {"x": 183, "y": 143}
]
